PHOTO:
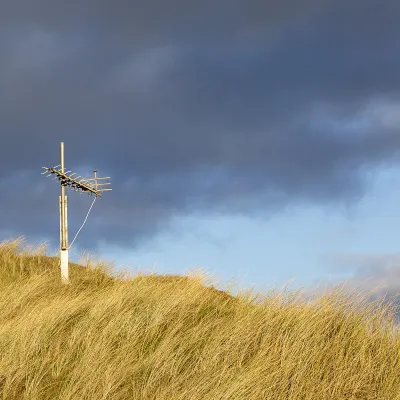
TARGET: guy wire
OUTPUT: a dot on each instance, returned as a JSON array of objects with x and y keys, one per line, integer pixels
[{"x": 83, "y": 223}]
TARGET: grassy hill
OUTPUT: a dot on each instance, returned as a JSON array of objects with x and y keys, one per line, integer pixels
[{"x": 170, "y": 337}]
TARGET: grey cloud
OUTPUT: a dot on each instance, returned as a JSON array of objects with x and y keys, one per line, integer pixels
[
  {"x": 236, "y": 108},
  {"x": 370, "y": 271},
  {"x": 377, "y": 275}
]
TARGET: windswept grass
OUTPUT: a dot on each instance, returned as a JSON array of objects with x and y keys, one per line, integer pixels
[{"x": 165, "y": 337}]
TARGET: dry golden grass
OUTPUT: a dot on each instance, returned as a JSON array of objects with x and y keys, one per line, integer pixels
[{"x": 153, "y": 337}]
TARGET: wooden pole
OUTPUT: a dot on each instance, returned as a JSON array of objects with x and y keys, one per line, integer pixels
[{"x": 63, "y": 227}]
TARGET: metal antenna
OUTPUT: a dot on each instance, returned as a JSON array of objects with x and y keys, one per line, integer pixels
[{"x": 90, "y": 186}]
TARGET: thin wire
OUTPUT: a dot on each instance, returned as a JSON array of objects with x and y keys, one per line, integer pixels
[{"x": 83, "y": 223}]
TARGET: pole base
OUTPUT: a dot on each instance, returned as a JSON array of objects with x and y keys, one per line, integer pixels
[{"x": 64, "y": 266}]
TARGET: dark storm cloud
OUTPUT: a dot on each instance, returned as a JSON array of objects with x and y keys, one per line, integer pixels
[
  {"x": 154, "y": 20},
  {"x": 194, "y": 106}
]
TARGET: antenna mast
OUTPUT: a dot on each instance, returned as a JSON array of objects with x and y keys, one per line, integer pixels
[
  {"x": 90, "y": 186},
  {"x": 63, "y": 225}
]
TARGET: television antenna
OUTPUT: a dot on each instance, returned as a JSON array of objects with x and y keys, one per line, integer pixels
[{"x": 70, "y": 180}]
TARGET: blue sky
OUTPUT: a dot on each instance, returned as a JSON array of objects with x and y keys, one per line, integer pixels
[{"x": 313, "y": 244}]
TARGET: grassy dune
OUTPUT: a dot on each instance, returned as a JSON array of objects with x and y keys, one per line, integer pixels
[{"x": 168, "y": 337}]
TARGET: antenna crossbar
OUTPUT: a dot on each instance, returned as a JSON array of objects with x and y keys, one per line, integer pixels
[{"x": 83, "y": 185}]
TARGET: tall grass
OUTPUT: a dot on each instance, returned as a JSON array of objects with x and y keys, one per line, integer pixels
[{"x": 170, "y": 337}]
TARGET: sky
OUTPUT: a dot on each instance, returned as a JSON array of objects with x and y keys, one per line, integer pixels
[{"x": 256, "y": 140}]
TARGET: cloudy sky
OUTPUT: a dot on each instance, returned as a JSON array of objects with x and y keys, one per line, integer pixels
[{"x": 257, "y": 140}]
